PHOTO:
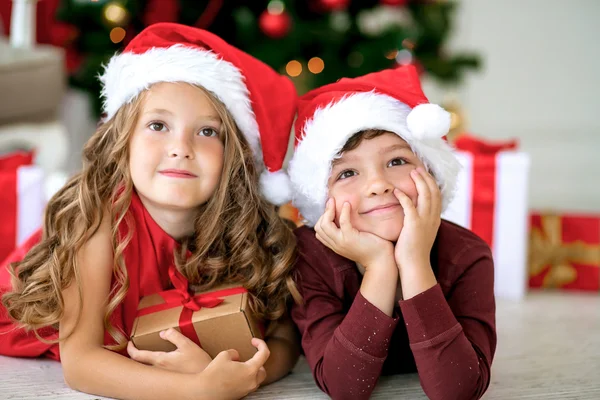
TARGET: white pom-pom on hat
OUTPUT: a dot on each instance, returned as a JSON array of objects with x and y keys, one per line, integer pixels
[
  {"x": 276, "y": 187},
  {"x": 428, "y": 121}
]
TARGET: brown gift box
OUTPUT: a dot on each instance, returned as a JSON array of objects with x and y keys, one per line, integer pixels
[{"x": 228, "y": 325}]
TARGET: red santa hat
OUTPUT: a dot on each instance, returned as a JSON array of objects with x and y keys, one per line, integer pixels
[
  {"x": 262, "y": 102},
  {"x": 390, "y": 100}
]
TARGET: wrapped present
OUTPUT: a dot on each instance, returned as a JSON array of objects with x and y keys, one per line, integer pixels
[
  {"x": 50, "y": 140},
  {"x": 22, "y": 202},
  {"x": 564, "y": 252},
  {"x": 491, "y": 200},
  {"x": 217, "y": 320}
]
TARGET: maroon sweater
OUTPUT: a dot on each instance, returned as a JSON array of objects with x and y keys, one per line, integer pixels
[{"x": 446, "y": 333}]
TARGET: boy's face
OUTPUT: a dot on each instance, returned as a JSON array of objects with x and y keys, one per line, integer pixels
[
  {"x": 366, "y": 177},
  {"x": 176, "y": 155}
]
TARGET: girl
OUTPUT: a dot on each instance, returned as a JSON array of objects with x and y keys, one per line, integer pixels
[
  {"x": 387, "y": 286},
  {"x": 169, "y": 183}
]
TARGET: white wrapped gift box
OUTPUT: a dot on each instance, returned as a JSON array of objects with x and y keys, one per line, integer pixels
[{"x": 491, "y": 200}]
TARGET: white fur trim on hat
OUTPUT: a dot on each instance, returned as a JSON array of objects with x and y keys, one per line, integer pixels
[
  {"x": 128, "y": 74},
  {"x": 276, "y": 187},
  {"x": 326, "y": 133}
]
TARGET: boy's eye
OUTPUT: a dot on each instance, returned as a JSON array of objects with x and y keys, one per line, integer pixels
[
  {"x": 208, "y": 132},
  {"x": 396, "y": 162},
  {"x": 346, "y": 174},
  {"x": 157, "y": 126}
]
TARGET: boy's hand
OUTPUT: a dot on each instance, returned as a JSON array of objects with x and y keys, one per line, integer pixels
[
  {"x": 364, "y": 248},
  {"x": 421, "y": 223},
  {"x": 187, "y": 358},
  {"x": 227, "y": 378}
]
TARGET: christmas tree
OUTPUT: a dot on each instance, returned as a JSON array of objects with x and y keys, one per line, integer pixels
[{"x": 313, "y": 41}]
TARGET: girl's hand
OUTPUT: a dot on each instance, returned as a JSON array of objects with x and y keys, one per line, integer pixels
[
  {"x": 227, "y": 378},
  {"x": 187, "y": 358},
  {"x": 421, "y": 223},
  {"x": 364, "y": 248}
]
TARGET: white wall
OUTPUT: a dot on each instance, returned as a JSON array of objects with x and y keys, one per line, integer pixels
[{"x": 540, "y": 83}]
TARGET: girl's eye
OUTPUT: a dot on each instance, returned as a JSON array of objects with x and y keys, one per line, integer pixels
[
  {"x": 157, "y": 126},
  {"x": 209, "y": 132},
  {"x": 396, "y": 162},
  {"x": 346, "y": 174}
]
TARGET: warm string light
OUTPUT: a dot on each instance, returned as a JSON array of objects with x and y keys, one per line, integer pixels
[
  {"x": 316, "y": 65},
  {"x": 293, "y": 68},
  {"x": 391, "y": 55},
  {"x": 117, "y": 34},
  {"x": 115, "y": 13}
]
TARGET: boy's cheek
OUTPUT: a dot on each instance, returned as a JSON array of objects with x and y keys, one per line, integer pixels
[{"x": 410, "y": 189}]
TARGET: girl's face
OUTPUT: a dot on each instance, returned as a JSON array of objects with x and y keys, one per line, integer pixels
[{"x": 176, "y": 151}]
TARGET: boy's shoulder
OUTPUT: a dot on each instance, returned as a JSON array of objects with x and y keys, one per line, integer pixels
[
  {"x": 458, "y": 246},
  {"x": 454, "y": 234}
]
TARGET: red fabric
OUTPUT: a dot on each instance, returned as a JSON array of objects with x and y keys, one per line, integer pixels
[
  {"x": 272, "y": 96},
  {"x": 447, "y": 333},
  {"x": 484, "y": 181},
  {"x": 401, "y": 83},
  {"x": 147, "y": 257},
  {"x": 573, "y": 261},
  {"x": 9, "y": 165}
]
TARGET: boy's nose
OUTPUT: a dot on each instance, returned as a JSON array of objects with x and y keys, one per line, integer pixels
[{"x": 378, "y": 186}]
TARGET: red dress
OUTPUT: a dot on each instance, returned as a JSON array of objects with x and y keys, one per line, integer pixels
[{"x": 148, "y": 257}]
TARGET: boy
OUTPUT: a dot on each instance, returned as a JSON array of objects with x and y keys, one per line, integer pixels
[{"x": 388, "y": 287}]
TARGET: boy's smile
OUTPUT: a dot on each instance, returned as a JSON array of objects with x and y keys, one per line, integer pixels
[{"x": 366, "y": 178}]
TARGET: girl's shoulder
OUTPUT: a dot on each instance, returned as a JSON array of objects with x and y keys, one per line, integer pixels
[{"x": 98, "y": 248}]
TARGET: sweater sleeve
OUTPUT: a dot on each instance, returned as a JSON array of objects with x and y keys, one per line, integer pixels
[
  {"x": 345, "y": 349},
  {"x": 453, "y": 338}
]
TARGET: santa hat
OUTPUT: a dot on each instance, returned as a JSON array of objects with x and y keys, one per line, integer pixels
[
  {"x": 390, "y": 100},
  {"x": 262, "y": 102}
]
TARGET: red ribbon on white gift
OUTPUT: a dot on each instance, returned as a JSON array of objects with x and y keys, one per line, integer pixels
[
  {"x": 10, "y": 204},
  {"x": 484, "y": 181}
]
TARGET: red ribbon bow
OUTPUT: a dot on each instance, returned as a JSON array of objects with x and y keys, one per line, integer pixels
[
  {"x": 180, "y": 295},
  {"x": 476, "y": 145}
]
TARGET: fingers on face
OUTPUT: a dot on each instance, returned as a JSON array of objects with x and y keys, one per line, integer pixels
[{"x": 407, "y": 205}]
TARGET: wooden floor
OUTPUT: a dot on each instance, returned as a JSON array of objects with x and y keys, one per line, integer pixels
[{"x": 548, "y": 348}]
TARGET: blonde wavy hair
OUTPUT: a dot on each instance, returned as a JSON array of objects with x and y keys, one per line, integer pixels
[{"x": 239, "y": 236}]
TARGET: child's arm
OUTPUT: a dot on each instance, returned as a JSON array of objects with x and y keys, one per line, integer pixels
[
  {"x": 452, "y": 340},
  {"x": 284, "y": 345},
  {"x": 375, "y": 254},
  {"x": 90, "y": 368},
  {"x": 345, "y": 348}
]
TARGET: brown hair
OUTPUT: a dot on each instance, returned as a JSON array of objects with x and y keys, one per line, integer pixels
[
  {"x": 356, "y": 139},
  {"x": 241, "y": 240}
]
